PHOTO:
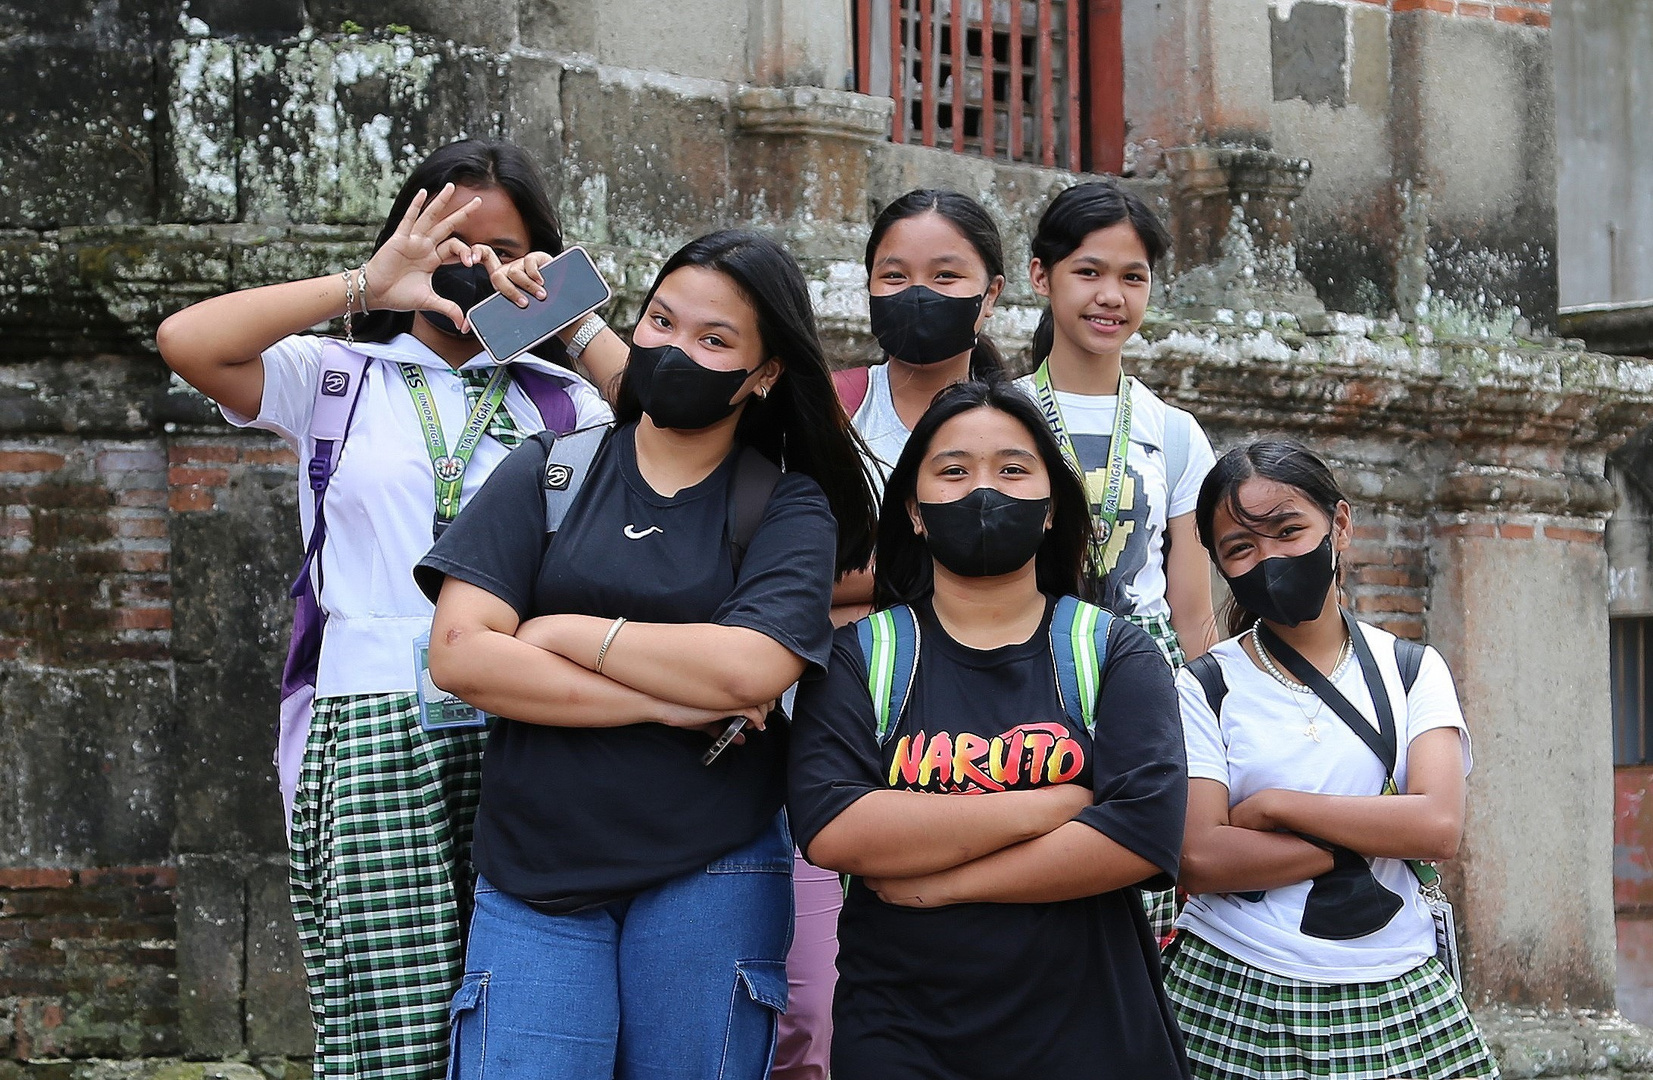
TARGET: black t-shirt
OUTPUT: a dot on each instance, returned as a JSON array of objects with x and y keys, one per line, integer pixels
[
  {"x": 571, "y": 817},
  {"x": 982, "y": 991}
]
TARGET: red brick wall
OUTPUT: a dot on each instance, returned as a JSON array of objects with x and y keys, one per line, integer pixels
[
  {"x": 1526, "y": 12},
  {"x": 87, "y": 962}
]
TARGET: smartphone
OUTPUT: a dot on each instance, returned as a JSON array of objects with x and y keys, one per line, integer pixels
[
  {"x": 723, "y": 741},
  {"x": 573, "y": 287}
]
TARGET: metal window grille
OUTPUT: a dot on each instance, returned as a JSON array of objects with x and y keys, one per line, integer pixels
[
  {"x": 1039, "y": 81},
  {"x": 1632, "y": 667}
]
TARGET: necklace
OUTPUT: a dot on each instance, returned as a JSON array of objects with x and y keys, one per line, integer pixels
[{"x": 1344, "y": 655}]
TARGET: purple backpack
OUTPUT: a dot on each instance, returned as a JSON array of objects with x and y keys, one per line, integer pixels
[{"x": 343, "y": 374}]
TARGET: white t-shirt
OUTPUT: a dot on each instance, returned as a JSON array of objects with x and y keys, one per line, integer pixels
[
  {"x": 880, "y": 426},
  {"x": 1264, "y": 741},
  {"x": 1147, "y": 501},
  {"x": 382, "y": 497}
]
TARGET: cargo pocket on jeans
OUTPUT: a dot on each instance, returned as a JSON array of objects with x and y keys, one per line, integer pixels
[
  {"x": 755, "y": 1006},
  {"x": 468, "y": 1028}
]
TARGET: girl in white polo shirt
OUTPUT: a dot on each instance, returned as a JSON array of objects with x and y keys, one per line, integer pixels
[
  {"x": 380, "y": 821},
  {"x": 1325, "y": 761}
]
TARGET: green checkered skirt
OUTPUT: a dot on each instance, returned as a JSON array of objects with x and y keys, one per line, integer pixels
[
  {"x": 381, "y": 883},
  {"x": 1161, "y": 905},
  {"x": 1241, "y": 1022}
]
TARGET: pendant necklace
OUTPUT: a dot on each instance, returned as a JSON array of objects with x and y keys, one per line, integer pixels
[{"x": 1344, "y": 655}]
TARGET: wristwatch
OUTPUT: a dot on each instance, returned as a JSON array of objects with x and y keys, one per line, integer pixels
[{"x": 589, "y": 329}]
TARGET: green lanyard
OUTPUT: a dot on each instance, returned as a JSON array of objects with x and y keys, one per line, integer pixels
[
  {"x": 450, "y": 468},
  {"x": 1107, "y": 515}
]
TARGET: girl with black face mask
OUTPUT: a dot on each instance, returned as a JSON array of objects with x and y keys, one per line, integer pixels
[
  {"x": 999, "y": 934},
  {"x": 634, "y": 902},
  {"x": 380, "y": 805},
  {"x": 1322, "y": 756}
]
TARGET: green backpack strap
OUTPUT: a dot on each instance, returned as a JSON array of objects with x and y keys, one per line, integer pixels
[
  {"x": 889, "y": 647},
  {"x": 1079, "y": 648}
]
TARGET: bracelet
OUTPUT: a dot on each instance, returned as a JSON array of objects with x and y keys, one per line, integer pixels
[
  {"x": 361, "y": 286},
  {"x": 607, "y": 641},
  {"x": 349, "y": 302},
  {"x": 589, "y": 329}
]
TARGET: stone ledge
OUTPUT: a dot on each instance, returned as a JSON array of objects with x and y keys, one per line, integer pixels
[
  {"x": 812, "y": 111},
  {"x": 157, "y": 1069},
  {"x": 1530, "y": 1044}
]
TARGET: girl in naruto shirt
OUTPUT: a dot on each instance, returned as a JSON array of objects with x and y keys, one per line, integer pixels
[{"x": 998, "y": 935}]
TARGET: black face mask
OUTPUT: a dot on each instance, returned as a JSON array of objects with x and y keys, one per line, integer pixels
[
  {"x": 986, "y": 533},
  {"x": 921, "y": 326},
  {"x": 678, "y": 393},
  {"x": 1287, "y": 589},
  {"x": 466, "y": 286},
  {"x": 1347, "y": 901}
]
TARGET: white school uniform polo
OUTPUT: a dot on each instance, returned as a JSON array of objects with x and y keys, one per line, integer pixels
[
  {"x": 1265, "y": 740},
  {"x": 382, "y": 499}
]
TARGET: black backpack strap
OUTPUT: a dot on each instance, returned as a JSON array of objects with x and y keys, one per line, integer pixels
[
  {"x": 755, "y": 480},
  {"x": 1205, "y": 668},
  {"x": 1409, "y": 658}
]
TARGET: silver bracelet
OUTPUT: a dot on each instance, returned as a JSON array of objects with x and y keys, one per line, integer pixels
[
  {"x": 361, "y": 286},
  {"x": 349, "y": 303},
  {"x": 589, "y": 329},
  {"x": 607, "y": 641}
]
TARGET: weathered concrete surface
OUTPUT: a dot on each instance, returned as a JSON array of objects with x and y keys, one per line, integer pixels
[
  {"x": 1603, "y": 82},
  {"x": 1629, "y": 534}
]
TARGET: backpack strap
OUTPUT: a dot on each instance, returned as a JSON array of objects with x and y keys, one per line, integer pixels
[
  {"x": 754, "y": 481},
  {"x": 889, "y": 648},
  {"x": 851, "y": 385},
  {"x": 550, "y": 396},
  {"x": 338, "y": 389},
  {"x": 568, "y": 460},
  {"x": 1079, "y": 649},
  {"x": 1205, "y": 668},
  {"x": 1409, "y": 658}
]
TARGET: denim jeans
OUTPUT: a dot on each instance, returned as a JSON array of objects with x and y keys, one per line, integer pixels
[{"x": 681, "y": 982}]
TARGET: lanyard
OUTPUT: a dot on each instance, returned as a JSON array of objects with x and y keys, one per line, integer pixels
[
  {"x": 450, "y": 468},
  {"x": 1107, "y": 515}
]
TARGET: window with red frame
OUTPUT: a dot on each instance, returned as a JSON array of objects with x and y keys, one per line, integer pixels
[{"x": 1039, "y": 81}]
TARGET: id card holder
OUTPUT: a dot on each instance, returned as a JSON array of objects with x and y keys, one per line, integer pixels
[
  {"x": 1446, "y": 934},
  {"x": 438, "y": 709}
]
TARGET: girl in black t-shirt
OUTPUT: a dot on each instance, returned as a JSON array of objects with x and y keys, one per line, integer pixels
[
  {"x": 633, "y": 904},
  {"x": 997, "y": 935}
]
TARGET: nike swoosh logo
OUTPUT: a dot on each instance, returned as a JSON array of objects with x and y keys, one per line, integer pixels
[{"x": 634, "y": 533}]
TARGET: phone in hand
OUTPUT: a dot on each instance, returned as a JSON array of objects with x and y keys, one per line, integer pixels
[
  {"x": 573, "y": 287},
  {"x": 724, "y": 740}
]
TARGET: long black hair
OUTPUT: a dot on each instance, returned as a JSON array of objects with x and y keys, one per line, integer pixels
[
  {"x": 1285, "y": 461},
  {"x": 800, "y": 425},
  {"x": 970, "y": 218},
  {"x": 904, "y": 573},
  {"x": 479, "y": 164},
  {"x": 1074, "y": 215}
]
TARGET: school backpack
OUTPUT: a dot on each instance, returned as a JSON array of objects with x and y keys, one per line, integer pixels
[
  {"x": 890, "y": 641},
  {"x": 344, "y": 372},
  {"x": 851, "y": 387}
]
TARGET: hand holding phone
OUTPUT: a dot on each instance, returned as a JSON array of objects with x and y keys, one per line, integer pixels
[
  {"x": 736, "y": 723},
  {"x": 572, "y": 287}
]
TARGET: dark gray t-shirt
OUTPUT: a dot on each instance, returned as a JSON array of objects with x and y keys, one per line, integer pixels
[
  {"x": 571, "y": 817},
  {"x": 984, "y": 991}
]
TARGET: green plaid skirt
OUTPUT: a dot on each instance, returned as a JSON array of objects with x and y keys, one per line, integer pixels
[
  {"x": 1242, "y": 1022},
  {"x": 1161, "y": 905},
  {"x": 381, "y": 883}
]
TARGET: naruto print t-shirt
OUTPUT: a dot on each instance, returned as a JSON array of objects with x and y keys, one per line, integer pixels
[
  {"x": 1149, "y": 497},
  {"x": 984, "y": 991}
]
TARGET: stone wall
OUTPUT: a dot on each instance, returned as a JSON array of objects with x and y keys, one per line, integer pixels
[{"x": 144, "y": 547}]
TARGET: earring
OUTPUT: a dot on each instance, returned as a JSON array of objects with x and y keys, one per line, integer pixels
[{"x": 763, "y": 392}]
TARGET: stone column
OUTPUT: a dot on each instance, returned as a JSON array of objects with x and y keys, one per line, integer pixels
[{"x": 802, "y": 154}]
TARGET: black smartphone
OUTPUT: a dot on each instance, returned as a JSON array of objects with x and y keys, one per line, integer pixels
[{"x": 573, "y": 287}]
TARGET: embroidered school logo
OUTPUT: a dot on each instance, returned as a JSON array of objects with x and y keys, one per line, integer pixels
[
  {"x": 335, "y": 383},
  {"x": 634, "y": 533},
  {"x": 1027, "y": 755},
  {"x": 558, "y": 476}
]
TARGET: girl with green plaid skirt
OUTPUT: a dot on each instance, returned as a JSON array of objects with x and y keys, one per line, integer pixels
[
  {"x": 1142, "y": 459},
  {"x": 380, "y": 806},
  {"x": 1319, "y": 773}
]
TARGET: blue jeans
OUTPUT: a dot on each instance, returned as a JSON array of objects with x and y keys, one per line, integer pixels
[{"x": 681, "y": 982}]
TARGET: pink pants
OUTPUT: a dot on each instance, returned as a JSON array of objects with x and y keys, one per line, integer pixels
[{"x": 804, "y": 1044}]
